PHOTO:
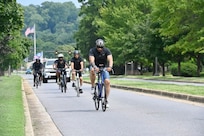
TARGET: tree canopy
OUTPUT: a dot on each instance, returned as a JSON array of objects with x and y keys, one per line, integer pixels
[
  {"x": 55, "y": 24},
  {"x": 141, "y": 30},
  {"x": 13, "y": 47}
]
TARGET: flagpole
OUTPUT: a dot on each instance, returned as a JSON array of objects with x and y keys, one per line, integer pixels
[{"x": 34, "y": 41}]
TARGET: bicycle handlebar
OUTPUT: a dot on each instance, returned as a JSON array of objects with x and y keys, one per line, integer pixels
[
  {"x": 104, "y": 69},
  {"x": 62, "y": 69},
  {"x": 77, "y": 70}
]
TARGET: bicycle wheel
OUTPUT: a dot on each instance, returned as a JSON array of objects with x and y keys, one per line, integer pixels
[
  {"x": 96, "y": 97},
  {"x": 103, "y": 98},
  {"x": 62, "y": 85},
  {"x": 77, "y": 87},
  {"x": 65, "y": 84},
  {"x": 36, "y": 81},
  {"x": 39, "y": 81}
]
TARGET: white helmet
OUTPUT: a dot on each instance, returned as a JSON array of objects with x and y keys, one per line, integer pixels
[
  {"x": 100, "y": 43},
  {"x": 60, "y": 55}
]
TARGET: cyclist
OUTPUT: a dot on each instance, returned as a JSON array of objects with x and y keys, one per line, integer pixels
[
  {"x": 37, "y": 68},
  {"x": 59, "y": 64},
  {"x": 77, "y": 64},
  {"x": 100, "y": 56}
]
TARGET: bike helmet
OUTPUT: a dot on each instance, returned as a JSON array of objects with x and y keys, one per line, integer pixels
[
  {"x": 76, "y": 52},
  {"x": 36, "y": 58},
  {"x": 100, "y": 43},
  {"x": 60, "y": 55}
]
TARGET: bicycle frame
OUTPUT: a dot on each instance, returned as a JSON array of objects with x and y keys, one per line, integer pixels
[
  {"x": 37, "y": 80},
  {"x": 63, "y": 82},
  {"x": 100, "y": 91},
  {"x": 77, "y": 82}
]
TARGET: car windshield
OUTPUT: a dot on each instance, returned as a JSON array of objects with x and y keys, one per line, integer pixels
[{"x": 50, "y": 62}]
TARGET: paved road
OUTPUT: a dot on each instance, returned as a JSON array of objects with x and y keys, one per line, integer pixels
[{"x": 130, "y": 114}]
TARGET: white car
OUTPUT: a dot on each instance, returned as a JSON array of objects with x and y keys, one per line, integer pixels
[{"x": 49, "y": 73}]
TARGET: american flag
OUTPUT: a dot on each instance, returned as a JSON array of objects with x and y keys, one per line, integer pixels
[{"x": 29, "y": 31}]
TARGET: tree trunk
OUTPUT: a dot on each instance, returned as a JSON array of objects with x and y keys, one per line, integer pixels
[
  {"x": 198, "y": 64},
  {"x": 163, "y": 69},
  {"x": 179, "y": 67},
  {"x": 153, "y": 72},
  {"x": 141, "y": 69}
]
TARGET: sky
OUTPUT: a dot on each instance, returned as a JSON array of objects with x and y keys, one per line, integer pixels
[{"x": 38, "y": 2}]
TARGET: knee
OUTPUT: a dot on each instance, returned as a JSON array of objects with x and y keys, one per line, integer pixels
[
  {"x": 107, "y": 81},
  {"x": 92, "y": 73}
]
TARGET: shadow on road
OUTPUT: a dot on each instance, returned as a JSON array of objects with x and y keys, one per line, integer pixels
[{"x": 77, "y": 111}]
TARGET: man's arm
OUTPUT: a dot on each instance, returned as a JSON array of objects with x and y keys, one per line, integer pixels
[
  {"x": 66, "y": 65},
  {"x": 110, "y": 62},
  {"x": 82, "y": 65},
  {"x": 92, "y": 61},
  {"x": 33, "y": 67},
  {"x": 91, "y": 58},
  {"x": 72, "y": 65},
  {"x": 55, "y": 65},
  {"x": 41, "y": 67}
]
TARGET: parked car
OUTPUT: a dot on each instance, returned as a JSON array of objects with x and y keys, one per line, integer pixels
[
  {"x": 28, "y": 71},
  {"x": 49, "y": 73}
]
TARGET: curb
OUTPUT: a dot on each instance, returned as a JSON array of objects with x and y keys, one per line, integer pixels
[
  {"x": 192, "y": 98},
  {"x": 28, "y": 122},
  {"x": 199, "y": 99},
  {"x": 39, "y": 121}
]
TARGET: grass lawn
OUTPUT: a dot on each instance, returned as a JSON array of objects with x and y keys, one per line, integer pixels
[
  {"x": 184, "y": 89},
  {"x": 11, "y": 107},
  {"x": 166, "y": 78}
]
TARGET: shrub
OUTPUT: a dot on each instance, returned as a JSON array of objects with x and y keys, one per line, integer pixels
[
  {"x": 174, "y": 69},
  {"x": 187, "y": 69},
  {"x": 201, "y": 74}
]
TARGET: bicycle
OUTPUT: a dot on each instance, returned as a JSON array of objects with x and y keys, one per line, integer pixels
[
  {"x": 63, "y": 81},
  {"x": 77, "y": 83},
  {"x": 100, "y": 91},
  {"x": 37, "y": 80}
]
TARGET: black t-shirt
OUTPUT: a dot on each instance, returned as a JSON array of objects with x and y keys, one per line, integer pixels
[
  {"x": 100, "y": 57},
  {"x": 77, "y": 62},
  {"x": 37, "y": 66},
  {"x": 60, "y": 63}
]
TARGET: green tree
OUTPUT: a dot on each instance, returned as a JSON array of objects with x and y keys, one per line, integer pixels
[
  {"x": 55, "y": 25},
  {"x": 87, "y": 32},
  {"x": 183, "y": 21},
  {"x": 13, "y": 48},
  {"x": 126, "y": 28}
]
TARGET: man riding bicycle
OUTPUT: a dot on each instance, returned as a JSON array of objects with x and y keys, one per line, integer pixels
[
  {"x": 37, "y": 68},
  {"x": 100, "y": 56},
  {"x": 77, "y": 64},
  {"x": 60, "y": 64}
]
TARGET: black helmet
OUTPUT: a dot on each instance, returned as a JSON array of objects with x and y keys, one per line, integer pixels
[
  {"x": 76, "y": 52},
  {"x": 100, "y": 43}
]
